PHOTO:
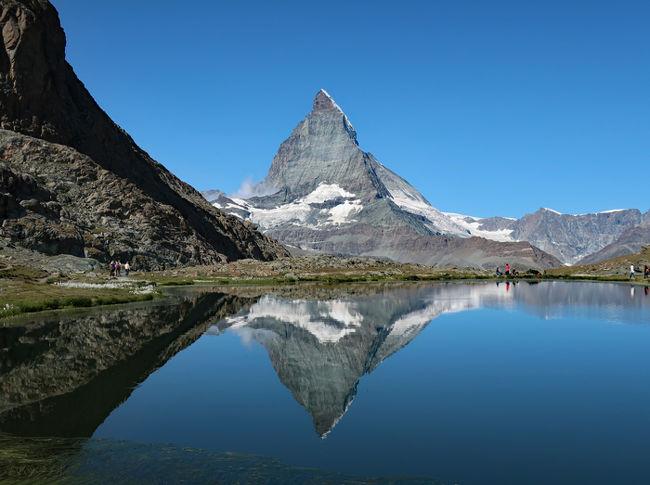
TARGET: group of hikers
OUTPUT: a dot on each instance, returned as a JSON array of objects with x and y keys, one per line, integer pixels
[
  {"x": 116, "y": 267},
  {"x": 646, "y": 272},
  {"x": 509, "y": 272}
]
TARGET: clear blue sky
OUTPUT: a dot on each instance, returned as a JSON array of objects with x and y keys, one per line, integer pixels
[{"x": 488, "y": 108}]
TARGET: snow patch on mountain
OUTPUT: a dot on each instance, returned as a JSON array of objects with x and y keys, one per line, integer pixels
[
  {"x": 473, "y": 226},
  {"x": 407, "y": 198},
  {"x": 551, "y": 210},
  {"x": 303, "y": 211},
  {"x": 325, "y": 192}
]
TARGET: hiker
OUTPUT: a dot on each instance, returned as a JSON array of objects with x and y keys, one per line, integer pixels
[
  {"x": 632, "y": 275},
  {"x": 646, "y": 272},
  {"x": 127, "y": 268},
  {"x": 117, "y": 268},
  {"x": 507, "y": 269},
  {"x": 498, "y": 272},
  {"x": 111, "y": 266}
]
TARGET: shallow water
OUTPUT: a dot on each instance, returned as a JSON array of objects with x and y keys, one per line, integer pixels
[{"x": 468, "y": 383}]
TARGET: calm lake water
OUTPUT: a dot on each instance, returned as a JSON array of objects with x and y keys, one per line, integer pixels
[{"x": 468, "y": 384}]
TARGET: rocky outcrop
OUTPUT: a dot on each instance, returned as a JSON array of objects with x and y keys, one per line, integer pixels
[
  {"x": 630, "y": 242},
  {"x": 41, "y": 97},
  {"x": 568, "y": 237},
  {"x": 327, "y": 195}
]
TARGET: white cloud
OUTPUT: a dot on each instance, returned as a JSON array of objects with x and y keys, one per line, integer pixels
[{"x": 250, "y": 189}]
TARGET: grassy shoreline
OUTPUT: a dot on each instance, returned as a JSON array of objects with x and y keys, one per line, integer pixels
[{"x": 23, "y": 291}]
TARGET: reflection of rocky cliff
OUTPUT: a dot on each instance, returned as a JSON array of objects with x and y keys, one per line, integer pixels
[
  {"x": 63, "y": 376},
  {"x": 321, "y": 348}
]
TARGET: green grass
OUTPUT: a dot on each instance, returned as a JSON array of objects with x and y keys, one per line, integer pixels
[
  {"x": 74, "y": 302},
  {"x": 22, "y": 272},
  {"x": 18, "y": 297}
]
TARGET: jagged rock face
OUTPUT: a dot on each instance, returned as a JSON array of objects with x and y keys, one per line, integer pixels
[
  {"x": 571, "y": 237},
  {"x": 566, "y": 236},
  {"x": 40, "y": 96},
  {"x": 58, "y": 201},
  {"x": 327, "y": 195},
  {"x": 630, "y": 242}
]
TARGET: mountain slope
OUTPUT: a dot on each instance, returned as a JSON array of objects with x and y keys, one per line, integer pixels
[
  {"x": 566, "y": 236},
  {"x": 630, "y": 242},
  {"x": 327, "y": 195},
  {"x": 40, "y": 96}
]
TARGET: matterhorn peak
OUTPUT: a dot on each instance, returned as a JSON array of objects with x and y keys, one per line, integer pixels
[{"x": 323, "y": 102}]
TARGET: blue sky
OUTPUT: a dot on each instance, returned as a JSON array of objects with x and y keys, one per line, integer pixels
[{"x": 488, "y": 108}]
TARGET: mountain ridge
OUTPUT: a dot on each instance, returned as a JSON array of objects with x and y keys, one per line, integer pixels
[
  {"x": 320, "y": 181},
  {"x": 331, "y": 196},
  {"x": 41, "y": 97}
]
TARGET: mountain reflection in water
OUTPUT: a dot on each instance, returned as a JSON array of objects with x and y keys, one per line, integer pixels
[
  {"x": 63, "y": 374},
  {"x": 321, "y": 349}
]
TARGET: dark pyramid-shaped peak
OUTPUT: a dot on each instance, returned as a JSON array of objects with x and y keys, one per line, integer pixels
[{"x": 324, "y": 103}]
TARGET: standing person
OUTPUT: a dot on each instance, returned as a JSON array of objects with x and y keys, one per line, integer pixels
[
  {"x": 127, "y": 268},
  {"x": 508, "y": 268},
  {"x": 118, "y": 264},
  {"x": 632, "y": 275},
  {"x": 111, "y": 267}
]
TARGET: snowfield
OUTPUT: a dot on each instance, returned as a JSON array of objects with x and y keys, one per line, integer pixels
[{"x": 301, "y": 211}]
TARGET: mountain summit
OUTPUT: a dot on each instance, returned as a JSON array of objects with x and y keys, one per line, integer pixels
[
  {"x": 328, "y": 195},
  {"x": 73, "y": 182}
]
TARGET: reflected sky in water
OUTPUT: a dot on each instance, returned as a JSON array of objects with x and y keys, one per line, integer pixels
[{"x": 471, "y": 383}]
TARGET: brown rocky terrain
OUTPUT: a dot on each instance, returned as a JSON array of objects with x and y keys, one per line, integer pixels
[
  {"x": 77, "y": 183},
  {"x": 619, "y": 265}
]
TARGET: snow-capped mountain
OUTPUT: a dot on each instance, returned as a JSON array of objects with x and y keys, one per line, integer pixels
[
  {"x": 327, "y": 195},
  {"x": 569, "y": 237}
]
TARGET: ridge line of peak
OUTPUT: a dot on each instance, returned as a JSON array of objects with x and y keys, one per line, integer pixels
[{"x": 324, "y": 102}]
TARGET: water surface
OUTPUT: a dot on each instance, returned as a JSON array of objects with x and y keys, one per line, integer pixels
[{"x": 468, "y": 383}]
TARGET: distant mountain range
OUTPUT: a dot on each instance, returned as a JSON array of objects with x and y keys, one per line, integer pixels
[
  {"x": 571, "y": 238},
  {"x": 324, "y": 194},
  {"x": 73, "y": 182}
]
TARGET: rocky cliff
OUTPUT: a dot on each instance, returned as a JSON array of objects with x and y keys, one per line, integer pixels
[
  {"x": 74, "y": 143},
  {"x": 327, "y": 195},
  {"x": 630, "y": 242},
  {"x": 568, "y": 237}
]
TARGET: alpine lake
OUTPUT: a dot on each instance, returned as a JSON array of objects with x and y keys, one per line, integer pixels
[{"x": 458, "y": 383}]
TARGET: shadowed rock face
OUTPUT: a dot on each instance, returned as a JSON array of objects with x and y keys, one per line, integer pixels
[
  {"x": 40, "y": 96},
  {"x": 330, "y": 196},
  {"x": 64, "y": 375}
]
